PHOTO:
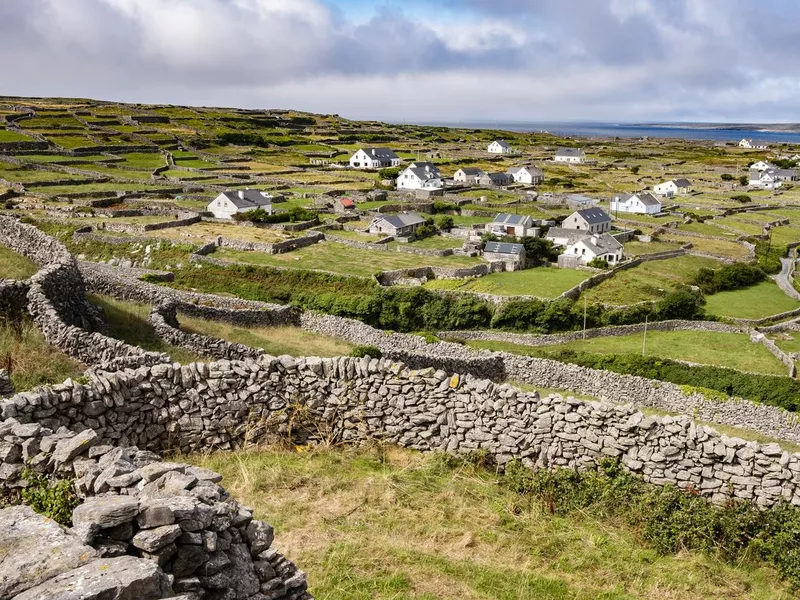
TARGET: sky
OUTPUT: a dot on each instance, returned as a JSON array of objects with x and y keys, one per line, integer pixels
[{"x": 451, "y": 61}]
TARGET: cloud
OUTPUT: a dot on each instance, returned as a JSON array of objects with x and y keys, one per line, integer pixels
[{"x": 443, "y": 59}]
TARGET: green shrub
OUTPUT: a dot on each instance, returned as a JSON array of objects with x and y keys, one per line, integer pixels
[
  {"x": 598, "y": 263},
  {"x": 440, "y": 206},
  {"x": 670, "y": 520},
  {"x": 55, "y": 499},
  {"x": 362, "y": 351},
  {"x": 726, "y": 177},
  {"x": 729, "y": 277},
  {"x": 743, "y": 198}
]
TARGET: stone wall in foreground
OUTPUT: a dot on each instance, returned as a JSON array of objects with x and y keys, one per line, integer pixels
[{"x": 225, "y": 404}]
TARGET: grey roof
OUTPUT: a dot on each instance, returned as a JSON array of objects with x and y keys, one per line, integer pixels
[
  {"x": 472, "y": 171},
  {"x": 580, "y": 199},
  {"x": 593, "y": 215},
  {"x": 250, "y": 198},
  {"x": 381, "y": 153},
  {"x": 509, "y": 219},
  {"x": 682, "y": 183},
  {"x": 532, "y": 170},
  {"x": 423, "y": 173},
  {"x": 503, "y": 143},
  {"x": 497, "y": 176},
  {"x": 503, "y": 248},
  {"x": 424, "y": 165},
  {"x": 572, "y": 235},
  {"x": 569, "y": 152},
  {"x": 600, "y": 244},
  {"x": 786, "y": 172},
  {"x": 403, "y": 219}
]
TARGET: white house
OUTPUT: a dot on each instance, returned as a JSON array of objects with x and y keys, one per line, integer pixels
[
  {"x": 374, "y": 158},
  {"x": 642, "y": 203},
  {"x": 570, "y": 155},
  {"x": 229, "y": 203},
  {"x": 527, "y": 174},
  {"x": 500, "y": 147},
  {"x": 591, "y": 220},
  {"x": 420, "y": 176},
  {"x": 767, "y": 180},
  {"x": 468, "y": 175},
  {"x": 752, "y": 144},
  {"x": 507, "y": 224},
  {"x": 589, "y": 247},
  {"x": 673, "y": 187},
  {"x": 763, "y": 165}
]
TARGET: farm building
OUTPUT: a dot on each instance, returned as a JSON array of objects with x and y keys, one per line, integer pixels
[
  {"x": 507, "y": 224},
  {"x": 570, "y": 155},
  {"x": 401, "y": 225},
  {"x": 673, "y": 187},
  {"x": 229, "y": 203},
  {"x": 642, "y": 203},
  {"x": 505, "y": 252}
]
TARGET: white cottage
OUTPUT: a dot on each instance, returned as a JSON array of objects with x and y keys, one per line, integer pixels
[
  {"x": 507, "y": 224},
  {"x": 420, "y": 176},
  {"x": 642, "y": 203},
  {"x": 229, "y": 203},
  {"x": 752, "y": 144},
  {"x": 374, "y": 158},
  {"x": 468, "y": 175},
  {"x": 527, "y": 174},
  {"x": 589, "y": 247},
  {"x": 500, "y": 147},
  {"x": 673, "y": 187},
  {"x": 570, "y": 155},
  {"x": 762, "y": 165}
]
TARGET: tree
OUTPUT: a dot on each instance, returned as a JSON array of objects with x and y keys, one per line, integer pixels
[
  {"x": 683, "y": 303},
  {"x": 635, "y": 169},
  {"x": 726, "y": 177},
  {"x": 445, "y": 223},
  {"x": 390, "y": 173},
  {"x": 538, "y": 251},
  {"x": 744, "y": 180}
]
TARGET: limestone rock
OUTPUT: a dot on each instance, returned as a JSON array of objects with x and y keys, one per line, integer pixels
[{"x": 106, "y": 511}]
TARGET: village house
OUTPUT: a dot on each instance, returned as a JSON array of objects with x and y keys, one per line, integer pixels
[
  {"x": 641, "y": 203},
  {"x": 673, "y": 187},
  {"x": 570, "y": 155},
  {"x": 518, "y": 225},
  {"x": 511, "y": 254},
  {"x": 374, "y": 158},
  {"x": 762, "y": 165},
  {"x": 527, "y": 174},
  {"x": 752, "y": 144},
  {"x": 771, "y": 179},
  {"x": 402, "y": 225},
  {"x": 420, "y": 176},
  {"x": 590, "y": 247},
  {"x": 468, "y": 175},
  {"x": 500, "y": 147},
  {"x": 344, "y": 206},
  {"x": 230, "y": 203},
  {"x": 591, "y": 220},
  {"x": 495, "y": 179}
]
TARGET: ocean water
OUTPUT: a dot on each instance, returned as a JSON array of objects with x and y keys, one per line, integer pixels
[{"x": 610, "y": 130}]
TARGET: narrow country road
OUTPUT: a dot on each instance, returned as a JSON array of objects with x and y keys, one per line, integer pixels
[{"x": 784, "y": 280}]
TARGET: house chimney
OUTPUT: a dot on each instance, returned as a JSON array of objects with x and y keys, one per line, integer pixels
[
  {"x": 241, "y": 194},
  {"x": 594, "y": 239}
]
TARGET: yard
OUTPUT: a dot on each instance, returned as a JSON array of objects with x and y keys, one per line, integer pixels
[
  {"x": 648, "y": 281},
  {"x": 731, "y": 350},
  {"x": 274, "y": 340},
  {"x": 338, "y": 258},
  {"x": 15, "y": 266},
  {"x": 544, "y": 282},
  {"x": 755, "y": 302}
]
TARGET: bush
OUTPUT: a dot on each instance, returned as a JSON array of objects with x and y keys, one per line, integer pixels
[
  {"x": 726, "y": 177},
  {"x": 362, "y": 351},
  {"x": 259, "y": 215},
  {"x": 538, "y": 251},
  {"x": 729, "y": 277},
  {"x": 744, "y": 180},
  {"x": 439, "y": 207},
  {"x": 598, "y": 263},
  {"x": 54, "y": 499},
  {"x": 670, "y": 520},
  {"x": 389, "y": 173},
  {"x": 743, "y": 198}
]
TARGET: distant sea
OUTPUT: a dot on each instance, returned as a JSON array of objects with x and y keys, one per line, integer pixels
[{"x": 689, "y": 131}]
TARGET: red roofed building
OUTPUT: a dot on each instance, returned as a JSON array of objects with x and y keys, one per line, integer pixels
[{"x": 344, "y": 205}]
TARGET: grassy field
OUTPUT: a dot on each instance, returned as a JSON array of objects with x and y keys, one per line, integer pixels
[
  {"x": 128, "y": 322},
  {"x": 15, "y": 266},
  {"x": 338, "y": 258},
  {"x": 648, "y": 281},
  {"x": 731, "y": 350},
  {"x": 13, "y": 136},
  {"x": 635, "y": 248},
  {"x": 274, "y": 340},
  {"x": 544, "y": 282},
  {"x": 756, "y": 302},
  {"x": 434, "y": 242},
  {"x": 382, "y": 523},
  {"x": 32, "y": 360},
  {"x": 211, "y": 231},
  {"x": 721, "y": 248}
]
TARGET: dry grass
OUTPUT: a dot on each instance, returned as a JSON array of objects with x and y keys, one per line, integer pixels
[
  {"x": 274, "y": 340},
  {"x": 15, "y": 266},
  {"x": 385, "y": 523}
]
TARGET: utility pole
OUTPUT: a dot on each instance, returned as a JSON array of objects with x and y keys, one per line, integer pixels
[{"x": 644, "y": 339}]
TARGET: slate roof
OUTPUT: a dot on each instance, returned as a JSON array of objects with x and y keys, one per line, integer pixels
[
  {"x": 682, "y": 183},
  {"x": 600, "y": 244},
  {"x": 509, "y": 219},
  {"x": 250, "y": 198},
  {"x": 646, "y": 198},
  {"x": 503, "y": 143},
  {"x": 423, "y": 173},
  {"x": 503, "y": 248},
  {"x": 593, "y": 215},
  {"x": 497, "y": 176},
  {"x": 529, "y": 169},
  {"x": 572, "y": 235},
  {"x": 423, "y": 165},
  {"x": 403, "y": 219},
  {"x": 381, "y": 153},
  {"x": 472, "y": 171}
]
